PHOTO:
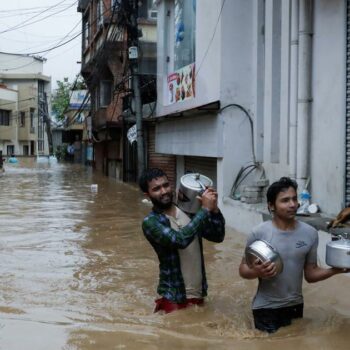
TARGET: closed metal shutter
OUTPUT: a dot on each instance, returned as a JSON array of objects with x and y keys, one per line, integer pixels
[
  {"x": 203, "y": 165},
  {"x": 347, "y": 183},
  {"x": 166, "y": 162}
]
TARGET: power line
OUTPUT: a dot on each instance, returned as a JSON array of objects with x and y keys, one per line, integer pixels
[
  {"x": 47, "y": 50},
  {"x": 25, "y": 24},
  {"x": 20, "y": 12},
  {"x": 24, "y": 9},
  {"x": 212, "y": 38},
  {"x": 10, "y": 103},
  {"x": 68, "y": 41}
]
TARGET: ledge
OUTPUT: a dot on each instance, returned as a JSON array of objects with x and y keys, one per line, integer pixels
[{"x": 319, "y": 220}]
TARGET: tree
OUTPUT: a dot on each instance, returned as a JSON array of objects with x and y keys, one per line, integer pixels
[{"x": 60, "y": 99}]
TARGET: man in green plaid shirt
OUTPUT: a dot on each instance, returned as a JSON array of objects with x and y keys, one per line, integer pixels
[{"x": 177, "y": 241}]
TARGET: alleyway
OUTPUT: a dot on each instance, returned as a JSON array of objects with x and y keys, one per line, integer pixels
[{"x": 77, "y": 273}]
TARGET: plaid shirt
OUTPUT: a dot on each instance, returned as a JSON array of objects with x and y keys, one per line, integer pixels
[{"x": 166, "y": 242}]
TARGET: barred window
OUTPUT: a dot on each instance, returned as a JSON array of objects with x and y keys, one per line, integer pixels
[{"x": 5, "y": 117}]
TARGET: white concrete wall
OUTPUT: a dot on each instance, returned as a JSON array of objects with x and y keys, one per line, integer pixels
[
  {"x": 249, "y": 63},
  {"x": 236, "y": 87},
  {"x": 19, "y": 64},
  {"x": 328, "y": 108},
  {"x": 197, "y": 136},
  {"x": 327, "y": 127},
  {"x": 9, "y": 95}
]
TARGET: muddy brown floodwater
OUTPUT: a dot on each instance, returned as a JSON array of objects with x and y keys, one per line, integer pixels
[{"x": 77, "y": 273}]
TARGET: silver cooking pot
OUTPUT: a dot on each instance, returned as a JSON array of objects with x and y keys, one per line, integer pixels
[
  {"x": 191, "y": 186},
  {"x": 338, "y": 253},
  {"x": 263, "y": 251}
]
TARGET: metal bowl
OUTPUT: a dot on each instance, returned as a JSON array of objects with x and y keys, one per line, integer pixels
[
  {"x": 338, "y": 253},
  {"x": 263, "y": 251}
]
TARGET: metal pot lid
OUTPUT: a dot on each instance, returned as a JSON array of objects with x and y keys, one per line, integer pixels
[
  {"x": 340, "y": 243},
  {"x": 194, "y": 181}
]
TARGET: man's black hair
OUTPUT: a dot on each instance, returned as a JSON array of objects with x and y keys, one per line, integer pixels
[
  {"x": 281, "y": 185},
  {"x": 148, "y": 175}
]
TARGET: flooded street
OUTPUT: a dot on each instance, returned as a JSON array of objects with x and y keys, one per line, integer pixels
[{"x": 77, "y": 273}]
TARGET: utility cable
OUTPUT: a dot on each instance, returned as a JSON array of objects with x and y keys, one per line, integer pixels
[
  {"x": 17, "y": 10},
  {"x": 212, "y": 38},
  {"x": 250, "y": 122},
  {"x": 47, "y": 50},
  {"x": 25, "y": 23}
]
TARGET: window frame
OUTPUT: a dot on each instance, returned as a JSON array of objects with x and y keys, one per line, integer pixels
[{"x": 5, "y": 117}]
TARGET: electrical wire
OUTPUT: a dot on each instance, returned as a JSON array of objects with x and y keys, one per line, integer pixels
[
  {"x": 17, "y": 10},
  {"x": 10, "y": 103},
  {"x": 47, "y": 50},
  {"x": 250, "y": 122},
  {"x": 212, "y": 38},
  {"x": 244, "y": 171},
  {"x": 25, "y": 23}
]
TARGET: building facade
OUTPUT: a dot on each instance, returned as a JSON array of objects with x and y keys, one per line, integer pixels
[
  {"x": 255, "y": 90},
  {"x": 23, "y": 126},
  {"x": 106, "y": 71}
]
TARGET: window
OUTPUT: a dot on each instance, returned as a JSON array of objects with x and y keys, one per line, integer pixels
[
  {"x": 86, "y": 32},
  {"x": 32, "y": 114},
  {"x": 26, "y": 150},
  {"x": 148, "y": 10},
  {"x": 22, "y": 119},
  {"x": 185, "y": 33},
  {"x": 105, "y": 92},
  {"x": 10, "y": 150},
  {"x": 5, "y": 117},
  {"x": 100, "y": 13}
]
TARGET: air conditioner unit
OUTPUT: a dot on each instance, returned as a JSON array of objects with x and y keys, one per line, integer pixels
[{"x": 152, "y": 14}]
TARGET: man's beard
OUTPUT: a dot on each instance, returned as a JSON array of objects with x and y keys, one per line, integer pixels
[{"x": 162, "y": 205}]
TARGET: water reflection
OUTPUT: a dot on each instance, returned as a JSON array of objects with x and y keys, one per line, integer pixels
[{"x": 76, "y": 273}]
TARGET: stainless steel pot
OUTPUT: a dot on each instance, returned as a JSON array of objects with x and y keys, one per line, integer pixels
[
  {"x": 338, "y": 253},
  {"x": 263, "y": 251},
  {"x": 191, "y": 186}
]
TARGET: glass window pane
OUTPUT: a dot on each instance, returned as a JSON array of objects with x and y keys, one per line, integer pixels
[{"x": 185, "y": 33}]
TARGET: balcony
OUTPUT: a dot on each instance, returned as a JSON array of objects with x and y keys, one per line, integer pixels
[
  {"x": 24, "y": 134},
  {"x": 7, "y": 132},
  {"x": 101, "y": 48}
]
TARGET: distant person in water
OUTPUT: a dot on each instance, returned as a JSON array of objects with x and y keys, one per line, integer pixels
[
  {"x": 1, "y": 163},
  {"x": 12, "y": 159}
]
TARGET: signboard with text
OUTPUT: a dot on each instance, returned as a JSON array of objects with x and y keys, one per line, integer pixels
[{"x": 181, "y": 84}]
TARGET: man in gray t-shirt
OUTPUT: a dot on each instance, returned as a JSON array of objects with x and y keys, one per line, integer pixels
[{"x": 279, "y": 297}]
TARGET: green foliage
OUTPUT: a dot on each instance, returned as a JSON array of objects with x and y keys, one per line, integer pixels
[
  {"x": 79, "y": 84},
  {"x": 61, "y": 152},
  {"x": 60, "y": 99}
]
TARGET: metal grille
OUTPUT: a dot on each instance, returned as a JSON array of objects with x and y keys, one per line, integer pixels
[{"x": 347, "y": 184}]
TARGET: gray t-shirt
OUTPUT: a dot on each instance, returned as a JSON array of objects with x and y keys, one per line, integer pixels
[{"x": 296, "y": 248}]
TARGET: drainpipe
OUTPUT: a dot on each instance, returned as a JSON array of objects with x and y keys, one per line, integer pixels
[
  {"x": 293, "y": 109},
  {"x": 304, "y": 90}
]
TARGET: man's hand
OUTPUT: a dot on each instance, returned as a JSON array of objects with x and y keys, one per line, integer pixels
[
  {"x": 209, "y": 200},
  {"x": 340, "y": 270},
  {"x": 264, "y": 270}
]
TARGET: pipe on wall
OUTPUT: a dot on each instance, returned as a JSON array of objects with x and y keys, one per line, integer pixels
[
  {"x": 304, "y": 90},
  {"x": 293, "y": 106}
]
